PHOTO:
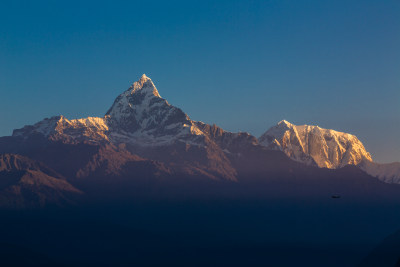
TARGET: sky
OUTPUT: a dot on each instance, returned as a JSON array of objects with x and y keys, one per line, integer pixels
[{"x": 243, "y": 65}]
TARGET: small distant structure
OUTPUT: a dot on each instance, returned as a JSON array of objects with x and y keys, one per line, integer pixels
[{"x": 336, "y": 196}]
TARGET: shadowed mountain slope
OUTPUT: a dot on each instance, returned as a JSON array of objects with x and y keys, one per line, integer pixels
[{"x": 25, "y": 183}]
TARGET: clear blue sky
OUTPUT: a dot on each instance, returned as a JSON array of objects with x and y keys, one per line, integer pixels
[{"x": 244, "y": 65}]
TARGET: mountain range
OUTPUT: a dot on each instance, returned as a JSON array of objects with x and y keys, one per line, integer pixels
[{"x": 144, "y": 146}]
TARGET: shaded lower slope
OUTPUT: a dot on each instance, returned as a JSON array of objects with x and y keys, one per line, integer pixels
[
  {"x": 25, "y": 183},
  {"x": 271, "y": 173}
]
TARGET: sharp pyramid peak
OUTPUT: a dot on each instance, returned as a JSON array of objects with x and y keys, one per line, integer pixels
[
  {"x": 144, "y": 78},
  {"x": 285, "y": 123},
  {"x": 144, "y": 84}
]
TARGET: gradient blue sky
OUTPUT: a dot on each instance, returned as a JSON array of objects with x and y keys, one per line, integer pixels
[{"x": 243, "y": 65}]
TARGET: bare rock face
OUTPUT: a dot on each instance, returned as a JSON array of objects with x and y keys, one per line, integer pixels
[{"x": 313, "y": 145}]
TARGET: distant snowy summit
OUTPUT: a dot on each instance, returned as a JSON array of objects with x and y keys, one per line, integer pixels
[
  {"x": 315, "y": 146},
  {"x": 326, "y": 148}
]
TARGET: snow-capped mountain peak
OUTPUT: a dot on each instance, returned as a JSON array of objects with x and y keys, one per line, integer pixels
[
  {"x": 144, "y": 84},
  {"x": 285, "y": 123},
  {"x": 139, "y": 115},
  {"x": 277, "y": 130},
  {"x": 315, "y": 146},
  {"x": 142, "y": 112}
]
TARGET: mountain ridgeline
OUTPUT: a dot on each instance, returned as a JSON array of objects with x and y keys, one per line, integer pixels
[{"x": 145, "y": 147}]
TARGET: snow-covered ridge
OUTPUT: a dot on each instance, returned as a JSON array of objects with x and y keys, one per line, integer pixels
[
  {"x": 389, "y": 172},
  {"x": 320, "y": 147},
  {"x": 60, "y": 128},
  {"x": 315, "y": 146}
]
